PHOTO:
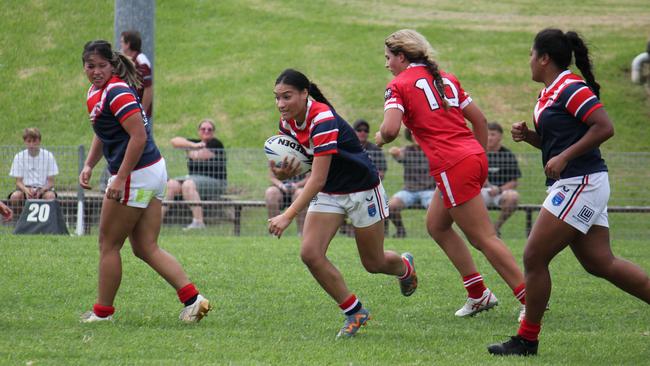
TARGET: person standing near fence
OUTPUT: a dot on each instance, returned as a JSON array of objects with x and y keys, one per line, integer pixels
[
  {"x": 132, "y": 203},
  {"x": 343, "y": 181},
  {"x": 570, "y": 125},
  {"x": 434, "y": 106},
  {"x": 131, "y": 46},
  {"x": 34, "y": 169}
]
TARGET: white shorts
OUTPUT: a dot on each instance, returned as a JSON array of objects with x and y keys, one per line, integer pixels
[
  {"x": 144, "y": 184},
  {"x": 580, "y": 201},
  {"x": 363, "y": 208}
]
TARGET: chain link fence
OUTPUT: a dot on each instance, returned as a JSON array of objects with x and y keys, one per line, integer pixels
[{"x": 238, "y": 206}]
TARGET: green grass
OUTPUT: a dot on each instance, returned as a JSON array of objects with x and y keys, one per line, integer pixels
[
  {"x": 220, "y": 60},
  {"x": 269, "y": 310}
]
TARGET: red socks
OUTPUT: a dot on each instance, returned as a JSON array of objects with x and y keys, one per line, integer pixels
[
  {"x": 474, "y": 285},
  {"x": 351, "y": 305},
  {"x": 103, "y": 311},
  {"x": 187, "y": 293},
  {"x": 520, "y": 293},
  {"x": 409, "y": 269},
  {"x": 529, "y": 331}
]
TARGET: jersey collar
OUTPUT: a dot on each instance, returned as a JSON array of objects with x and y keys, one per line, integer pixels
[{"x": 557, "y": 79}]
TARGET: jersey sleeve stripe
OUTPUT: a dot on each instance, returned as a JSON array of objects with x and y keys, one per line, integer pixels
[
  {"x": 128, "y": 114},
  {"x": 465, "y": 102},
  {"x": 325, "y": 138},
  {"x": 587, "y": 101},
  {"x": 578, "y": 99},
  {"x": 388, "y": 106},
  {"x": 590, "y": 111},
  {"x": 322, "y": 117},
  {"x": 117, "y": 113}
]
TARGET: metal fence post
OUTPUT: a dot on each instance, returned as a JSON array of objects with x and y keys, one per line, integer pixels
[{"x": 80, "y": 193}]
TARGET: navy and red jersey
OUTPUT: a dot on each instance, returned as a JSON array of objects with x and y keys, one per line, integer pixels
[
  {"x": 108, "y": 108},
  {"x": 324, "y": 132},
  {"x": 560, "y": 114},
  {"x": 145, "y": 74},
  {"x": 442, "y": 134}
]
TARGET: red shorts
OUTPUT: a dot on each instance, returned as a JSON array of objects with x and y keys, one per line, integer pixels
[{"x": 463, "y": 181}]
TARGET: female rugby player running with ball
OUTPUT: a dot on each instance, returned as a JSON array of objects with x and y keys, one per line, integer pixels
[{"x": 343, "y": 181}]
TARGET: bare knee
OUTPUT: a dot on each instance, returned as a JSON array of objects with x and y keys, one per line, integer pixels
[
  {"x": 311, "y": 258},
  {"x": 143, "y": 253},
  {"x": 598, "y": 269},
  {"x": 173, "y": 188}
]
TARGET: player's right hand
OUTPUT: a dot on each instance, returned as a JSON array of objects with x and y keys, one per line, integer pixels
[
  {"x": 519, "y": 131},
  {"x": 84, "y": 177}
]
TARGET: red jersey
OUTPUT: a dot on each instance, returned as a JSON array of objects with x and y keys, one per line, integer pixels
[
  {"x": 443, "y": 135},
  {"x": 143, "y": 66}
]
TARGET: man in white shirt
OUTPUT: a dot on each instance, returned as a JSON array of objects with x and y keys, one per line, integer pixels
[{"x": 34, "y": 169}]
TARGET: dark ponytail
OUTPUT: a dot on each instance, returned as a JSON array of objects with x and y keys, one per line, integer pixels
[
  {"x": 583, "y": 62},
  {"x": 122, "y": 65},
  {"x": 560, "y": 47},
  {"x": 299, "y": 81}
]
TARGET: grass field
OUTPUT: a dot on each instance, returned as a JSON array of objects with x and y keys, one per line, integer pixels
[
  {"x": 268, "y": 309},
  {"x": 219, "y": 59}
]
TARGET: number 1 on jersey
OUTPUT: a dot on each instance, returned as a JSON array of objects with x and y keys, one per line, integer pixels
[{"x": 431, "y": 98}]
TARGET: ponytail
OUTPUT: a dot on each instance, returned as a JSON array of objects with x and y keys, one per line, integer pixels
[
  {"x": 438, "y": 83},
  {"x": 126, "y": 70},
  {"x": 315, "y": 93},
  {"x": 582, "y": 60}
]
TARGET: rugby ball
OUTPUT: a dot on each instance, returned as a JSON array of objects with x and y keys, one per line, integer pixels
[{"x": 280, "y": 146}]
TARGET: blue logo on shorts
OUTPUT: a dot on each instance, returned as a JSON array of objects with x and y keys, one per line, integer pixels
[
  {"x": 558, "y": 198},
  {"x": 372, "y": 210}
]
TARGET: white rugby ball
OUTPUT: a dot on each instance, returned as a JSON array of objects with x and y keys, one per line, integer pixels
[{"x": 280, "y": 146}]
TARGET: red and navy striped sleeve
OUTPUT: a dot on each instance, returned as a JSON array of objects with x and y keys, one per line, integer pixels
[
  {"x": 580, "y": 101},
  {"x": 325, "y": 133},
  {"x": 122, "y": 101}
]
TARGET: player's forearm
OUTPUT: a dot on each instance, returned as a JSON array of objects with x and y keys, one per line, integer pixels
[{"x": 95, "y": 152}]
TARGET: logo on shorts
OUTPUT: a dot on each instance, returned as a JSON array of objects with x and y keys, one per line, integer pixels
[
  {"x": 369, "y": 199},
  {"x": 372, "y": 210},
  {"x": 585, "y": 214},
  {"x": 558, "y": 198}
]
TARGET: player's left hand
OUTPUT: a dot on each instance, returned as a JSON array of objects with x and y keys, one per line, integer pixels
[
  {"x": 286, "y": 169},
  {"x": 555, "y": 166},
  {"x": 278, "y": 224},
  {"x": 6, "y": 212}
]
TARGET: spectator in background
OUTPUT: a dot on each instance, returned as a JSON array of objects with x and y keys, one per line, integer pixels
[
  {"x": 131, "y": 46},
  {"x": 34, "y": 169},
  {"x": 418, "y": 183},
  {"x": 282, "y": 193},
  {"x": 503, "y": 172},
  {"x": 206, "y": 165},
  {"x": 376, "y": 154}
]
